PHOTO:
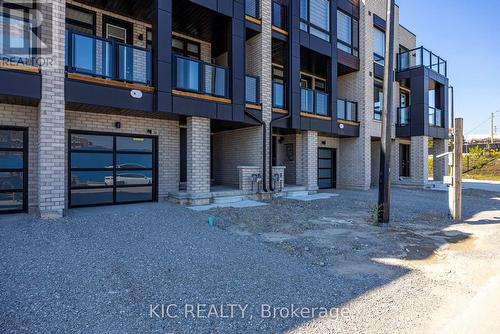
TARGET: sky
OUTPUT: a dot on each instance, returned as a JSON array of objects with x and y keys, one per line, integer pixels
[{"x": 467, "y": 34}]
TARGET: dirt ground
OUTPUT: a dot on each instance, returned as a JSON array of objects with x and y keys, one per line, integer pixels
[{"x": 423, "y": 273}]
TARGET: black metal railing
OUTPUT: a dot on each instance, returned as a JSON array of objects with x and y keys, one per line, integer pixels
[
  {"x": 314, "y": 102},
  {"x": 421, "y": 57},
  {"x": 435, "y": 117},
  {"x": 252, "y": 8},
  {"x": 347, "y": 110},
  {"x": 279, "y": 15},
  {"x": 279, "y": 95},
  {"x": 252, "y": 84},
  {"x": 99, "y": 57},
  {"x": 403, "y": 116},
  {"x": 200, "y": 77}
]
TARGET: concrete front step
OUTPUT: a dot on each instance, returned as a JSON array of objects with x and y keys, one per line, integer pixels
[
  {"x": 228, "y": 199},
  {"x": 297, "y": 193}
]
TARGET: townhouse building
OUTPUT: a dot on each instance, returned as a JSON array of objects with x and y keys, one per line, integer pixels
[{"x": 123, "y": 101}]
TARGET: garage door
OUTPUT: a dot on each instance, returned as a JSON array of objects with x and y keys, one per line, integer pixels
[
  {"x": 13, "y": 170},
  {"x": 111, "y": 169},
  {"x": 327, "y": 168}
]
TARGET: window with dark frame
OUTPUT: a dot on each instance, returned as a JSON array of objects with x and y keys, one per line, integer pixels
[
  {"x": 378, "y": 98},
  {"x": 80, "y": 20},
  {"x": 186, "y": 48},
  {"x": 347, "y": 33},
  {"x": 378, "y": 46},
  {"x": 315, "y": 18},
  {"x": 149, "y": 38}
]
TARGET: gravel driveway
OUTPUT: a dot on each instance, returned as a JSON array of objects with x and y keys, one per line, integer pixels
[{"x": 112, "y": 269}]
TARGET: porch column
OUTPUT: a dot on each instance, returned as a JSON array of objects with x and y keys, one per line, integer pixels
[
  {"x": 198, "y": 159},
  {"x": 309, "y": 163},
  {"x": 419, "y": 172},
  {"x": 51, "y": 131},
  {"x": 440, "y": 165}
]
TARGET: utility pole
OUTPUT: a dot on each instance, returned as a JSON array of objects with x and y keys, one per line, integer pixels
[
  {"x": 384, "y": 184},
  {"x": 493, "y": 128},
  {"x": 455, "y": 192}
]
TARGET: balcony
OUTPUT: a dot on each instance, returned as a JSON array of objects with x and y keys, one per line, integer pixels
[
  {"x": 347, "y": 110},
  {"x": 435, "y": 117},
  {"x": 314, "y": 102},
  {"x": 252, "y": 8},
  {"x": 279, "y": 15},
  {"x": 421, "y": 57},
  {"x": 98, "y": 57},
  {"x": 403, "y": 116},
  {"x": 195, "y": 76},
  {"x": 252, "y": 95}
]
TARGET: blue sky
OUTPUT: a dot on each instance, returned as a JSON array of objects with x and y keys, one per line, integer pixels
[{"x": 466, "y": 33}]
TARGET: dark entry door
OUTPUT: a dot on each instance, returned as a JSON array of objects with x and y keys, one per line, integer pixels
[
  {"x": 13, "y": 170},
  {"x": 327, "y": 168},
  {"x": 404, "y": 166},
  {"x": 111, "y": 169}
]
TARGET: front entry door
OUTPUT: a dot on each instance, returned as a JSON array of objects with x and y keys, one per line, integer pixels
[
  {"x": 327, "y": 168},
  {"x": 404, "y": 166},
  {"x": 111, "y": 169},
  {"x": 13, "y": 170}
]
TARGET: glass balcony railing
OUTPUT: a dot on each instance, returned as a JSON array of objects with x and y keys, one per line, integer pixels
[
  {"x": 252, "y": 8},
  {"x": 435, "y": 117},
  {"x": 314, "y": 102},
  {"x": 279, "y": 15},
  {"x": 421, "y": 57},
  {"x": 99, "y": 57},
  {"x": 278, "y": 95},
  {"x": 252, "y": 89},
  {"x": 347, "y": 110},
  {"x": 199, "y": 77},
  {"x": 403, "y": 116}
]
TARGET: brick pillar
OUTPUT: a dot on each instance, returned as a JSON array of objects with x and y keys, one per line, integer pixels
[
  {"x": 266, "y": 76},
  {"x": 395, "y": 162},
  {"x": 198, "y": 158},
  {"x": 440, "y": 165},
  {"x": 419, "y": 160},
  {"x": 310, "y": 160},
  {"x": 51, "y": 135}
]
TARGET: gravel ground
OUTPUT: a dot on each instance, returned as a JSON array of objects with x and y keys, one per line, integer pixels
[{"x": 101, "y": 269}]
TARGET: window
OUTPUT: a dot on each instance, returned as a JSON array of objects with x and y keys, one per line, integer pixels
[
  {"x": 378, "y": 99},
  {"x": 80, "y": 20},
  {"x": 149, "y": 39},
  {"x": 186, "y": 48},
  {"x": 378, "y": 46},
  {"x": 347, "y": 33},
  {"x": 315, "y": 18}
]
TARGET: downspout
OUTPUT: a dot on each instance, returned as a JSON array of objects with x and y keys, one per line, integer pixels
[
  {"x": 271, "y": 146},
  {"x": 264, "y": 165}
]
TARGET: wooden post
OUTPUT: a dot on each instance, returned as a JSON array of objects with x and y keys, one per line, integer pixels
[
  {"x": 384, "y": 183},
  {"x": 455, "y": 192}
]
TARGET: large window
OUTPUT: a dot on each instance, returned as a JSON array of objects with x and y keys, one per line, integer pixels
[
  {"x": 315, "y": 18},
  {"x": 347, "y": 33},
  {"x": 378, "y": 99},
  {"x": 378, "y": 46}
]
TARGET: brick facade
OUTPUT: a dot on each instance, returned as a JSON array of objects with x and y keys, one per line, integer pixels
[{"x": 198, "y": 155}]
